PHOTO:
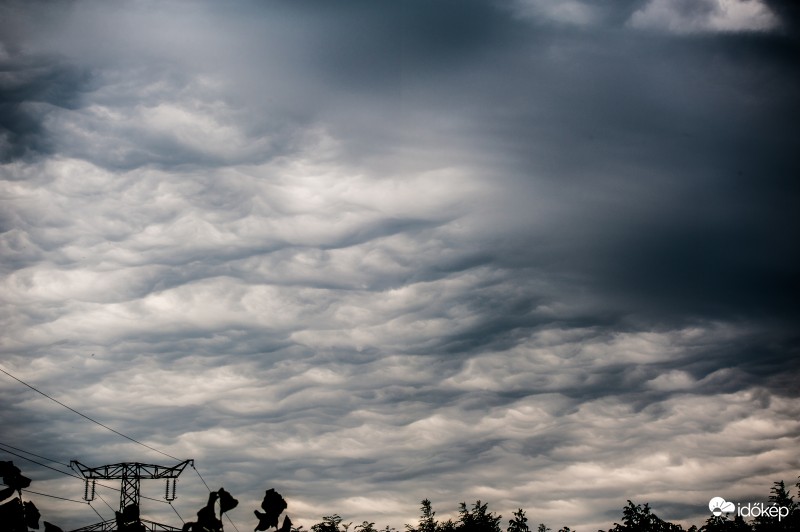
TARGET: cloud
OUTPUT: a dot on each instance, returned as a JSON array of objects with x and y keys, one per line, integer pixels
[
  {"x": 682, "y": 17},
  {"x": 367, "y": 255},
  {"x": 571, "y": 12}
]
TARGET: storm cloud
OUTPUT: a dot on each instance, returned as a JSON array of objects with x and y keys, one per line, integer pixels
[{"x": 537, "y": 253}]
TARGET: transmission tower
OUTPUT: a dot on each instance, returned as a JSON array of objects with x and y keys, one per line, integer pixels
[{"x": 131, "y": 474}]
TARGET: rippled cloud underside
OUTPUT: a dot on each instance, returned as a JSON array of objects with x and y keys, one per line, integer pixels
[{"x": 542, "y": 254}]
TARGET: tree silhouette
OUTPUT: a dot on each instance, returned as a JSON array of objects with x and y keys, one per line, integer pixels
[
  {"x": 330, "y": 523},
  {"x": 17, "y": 515},
  {"x": 366, "y": 526},
  {"x": 427, "y": 523},
  {"x": 207, "y": 516},
  {"x": 638, "y": 518},
  {"x": 519, "y": 523},
  {"x": 479, "y": 519},
  {"x": 273, "y": 505},
  {"x": 779, "y": 497},
  {"x": 722, "y": 524}
]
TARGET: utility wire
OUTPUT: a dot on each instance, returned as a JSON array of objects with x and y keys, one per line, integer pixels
[
  {"x": 234, "y": 524},
  {"x": 70, "y": 474},
  {"x": 41, "y": 464},
  {"x": 179, "y": 515},
  {"x": 201, "y": 477},
  {"x": 95, "y": 510},
  {"x": 34, "y": 454},
  {"x": 102, "y": 499},
  {"x": 209, "y": 489},
  {"x": 87, "y": 417},
  {"x": 107, "y": 428},
  {"x": 53, "y": 496}
]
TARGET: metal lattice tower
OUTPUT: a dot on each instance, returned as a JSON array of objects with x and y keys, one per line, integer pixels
[{"x": 130, "y": 473}]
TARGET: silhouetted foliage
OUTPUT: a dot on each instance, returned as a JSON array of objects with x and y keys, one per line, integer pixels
[
  {"x": 478, "y": 519},
  {"x": 330, "y": 523},
  {"x": 207, "y": 520},
  {"x": 13, "y": 477},
  {"x": 446, "y": 526},
  {"x": 16, "y": 515},
  {"x": 638, "y": 518},
  {"x": 273, "y": 505},
  {"x": 50, "y": 527},
  {"x": 226, "y": 501},
  {"x": 519, "y": 523},
  {"x": 722, "y": 524},
  {"x": 366, "y": 526},
  {"x": 771, "y": 523},
  {"x": 287, "y": 525},
  {"x": 427, "y": 523}
]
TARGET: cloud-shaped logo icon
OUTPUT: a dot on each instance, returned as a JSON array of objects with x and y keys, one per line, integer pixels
[{"x": 719, "y": 506}]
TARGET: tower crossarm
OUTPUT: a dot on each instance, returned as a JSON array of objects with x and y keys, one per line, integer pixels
[
  {"x": 130, "y": 474},
  {"x": 125, "y": 469}
]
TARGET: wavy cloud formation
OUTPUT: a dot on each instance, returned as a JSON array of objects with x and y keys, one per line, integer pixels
[{"x": 539, "y": 255}]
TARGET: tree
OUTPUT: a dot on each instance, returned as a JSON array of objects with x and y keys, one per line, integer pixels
[
  {"x": 638, "y": 518},
  {"x": 16, "y": 515},
  {"x": 479, "y": 519},
  {"x": 519, "y": 523},
  {"x": 543, "y": 528},
  {"x": 427, "y": 523},
  {"x": 331, "y": 523},
  {"x": 366, "y": 526},
  {"x": 720, "y": 523},
  {"x": 447, "y": 526},
  {"x": 781, "y": 499}
]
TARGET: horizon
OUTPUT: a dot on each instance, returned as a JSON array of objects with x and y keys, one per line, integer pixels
[{"x": 729, "y": 509}]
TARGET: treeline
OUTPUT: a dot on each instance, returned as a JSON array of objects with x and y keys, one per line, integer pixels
[{"x": 780, "y": 514}]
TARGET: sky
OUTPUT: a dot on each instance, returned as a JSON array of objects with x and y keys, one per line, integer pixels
[{"x": 542, "y": 254}]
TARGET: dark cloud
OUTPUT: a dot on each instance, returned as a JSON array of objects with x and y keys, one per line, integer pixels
[
  {"x": 528, "y": 253},
  {"x": 30, "y": 87}
]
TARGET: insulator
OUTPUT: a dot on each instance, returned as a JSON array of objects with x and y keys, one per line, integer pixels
[
  {"x": 88, "y": 494},
  {"x": 169, "y": 494}
]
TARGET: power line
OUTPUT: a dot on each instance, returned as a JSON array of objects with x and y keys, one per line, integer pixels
[
  {"x": 70, "y": 500},
  {"x": 102, "y": 499},
  {"x": 179, "y": 515},
  {"x": 201, "y": 477},
  {"x": 53, "y": 496},
  {"x": 70, "y": 474},
  {"x": 87, "y": 417},
  {"x": 41, "y": 464},
  {"x": 34, "y": 454},
  {"x": 95, "y": 511},
  {"x": 107, "y": 428},
  {"x": 209, "y": 489}
]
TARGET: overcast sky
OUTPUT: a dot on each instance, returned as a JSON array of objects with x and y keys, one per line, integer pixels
[{"x": 535, "y": 252}]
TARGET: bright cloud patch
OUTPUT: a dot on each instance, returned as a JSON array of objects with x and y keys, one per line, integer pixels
[{"x": 695, "y": 16}]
